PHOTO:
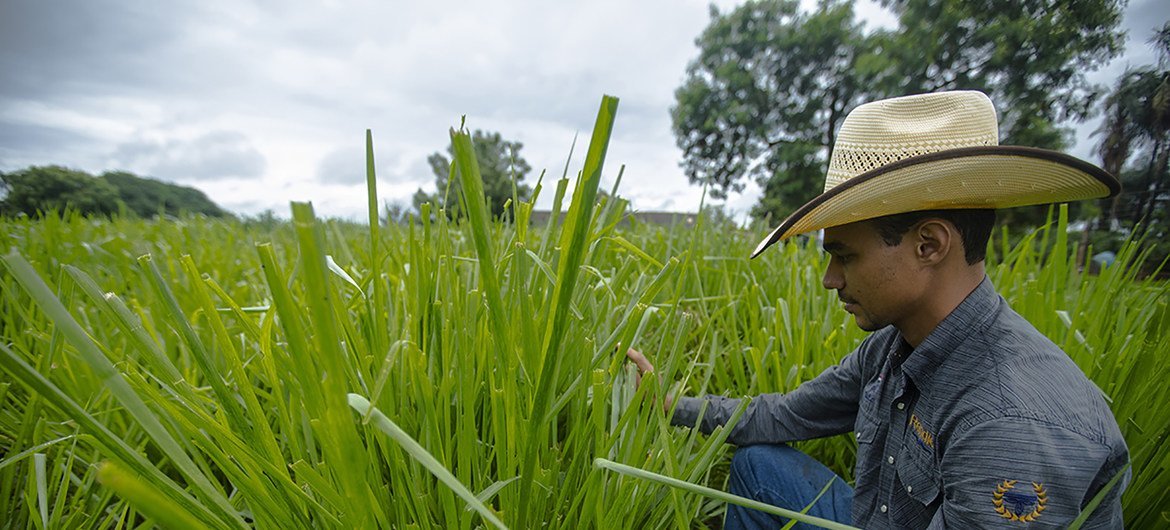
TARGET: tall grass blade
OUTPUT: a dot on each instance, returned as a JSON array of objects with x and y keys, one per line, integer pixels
[
  {"x": 471, "y": 183},
  {"x": 416, "y": 451},
  {"x": 42, "y": 490},
  {"x": 792, "y": 522},
  {"x": 339, "y": 436},
  {"x": 199, "y": 352},
  {"x": 573, "y": 245},
  {"x": 1100, "y": 496},
  {"x": 146, "y": 499}
]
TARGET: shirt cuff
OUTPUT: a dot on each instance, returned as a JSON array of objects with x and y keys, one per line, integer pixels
[{"x": 686, "y": 411}]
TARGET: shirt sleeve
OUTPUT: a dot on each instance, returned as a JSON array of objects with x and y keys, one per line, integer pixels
[
  {"x": 823, "y": 406},
  {"x": 1027, "y": 471}
]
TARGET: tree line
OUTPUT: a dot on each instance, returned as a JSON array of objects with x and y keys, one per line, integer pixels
[{"x": 38, "y": 190}]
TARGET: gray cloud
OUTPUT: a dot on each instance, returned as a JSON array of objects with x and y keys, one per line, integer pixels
[
  {"x": 343, "y": 166},
  {"x": 160, "y": 88},
  {"x": 24, "y": 144},
  {"x": 50, "y": 48},
  {"x": 398, "y": 177},
  {"x": 216, "y": 155},
  {"x": 1142, "y": 19}
]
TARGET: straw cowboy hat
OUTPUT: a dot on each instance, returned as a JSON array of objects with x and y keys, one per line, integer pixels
[{"x": 934, "y": 152}]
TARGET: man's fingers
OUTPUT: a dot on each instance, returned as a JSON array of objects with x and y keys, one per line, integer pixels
[
  {"x": 640, "y": 360},
  {"x": 644, "y": 367}
]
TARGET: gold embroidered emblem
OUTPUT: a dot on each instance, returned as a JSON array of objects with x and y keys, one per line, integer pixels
[
  {"x": 1019, "y": 505},
  {"x": 923, "y": 435}
]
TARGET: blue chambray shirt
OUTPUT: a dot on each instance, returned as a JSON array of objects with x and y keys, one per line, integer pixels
[{"x": 987, "y": 423}]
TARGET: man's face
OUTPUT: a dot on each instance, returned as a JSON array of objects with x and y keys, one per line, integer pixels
[{"x": 878, "y": 283}]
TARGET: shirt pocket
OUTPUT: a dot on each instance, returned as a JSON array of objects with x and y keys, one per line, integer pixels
[
  {"x": 921, "y": 479},
  {"x": 866, "y": 430},
  {"x": 866, "y": 425}
]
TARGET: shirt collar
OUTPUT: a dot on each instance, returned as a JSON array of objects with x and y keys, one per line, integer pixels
[{"x": 979, "y": 306}]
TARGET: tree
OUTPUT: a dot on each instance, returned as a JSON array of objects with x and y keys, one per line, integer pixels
[
  {"x": 766, "y": 95},
  {"x": 1137, "y": 129},
  {"x": 41, "y": 189},
  {"x": 394, "y": 212},
  {"x": 771, "y": 84},
  {"x": 146, "y": 197},
  {"x": 500, "y": 165},
  {"x": 1030, "y": 56}
]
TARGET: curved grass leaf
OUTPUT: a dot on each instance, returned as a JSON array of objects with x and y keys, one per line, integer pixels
[
  {"x": 146, "y": 499},
  {"x": 718, "y": 495},
  {"x": 419, "y": 453}
]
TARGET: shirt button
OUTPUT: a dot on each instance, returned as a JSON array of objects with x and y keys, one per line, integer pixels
[
  {"x": 909, "y": 489},
  {"x": 884, "y": 509},
  {"x": 901, "y": 406},
  {"x": 890, "y": 459}
]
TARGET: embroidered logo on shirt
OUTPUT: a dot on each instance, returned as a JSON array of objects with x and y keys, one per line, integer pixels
[
  {"x": 924, "y": 436},
  {"x": 1019, "y": 505}
]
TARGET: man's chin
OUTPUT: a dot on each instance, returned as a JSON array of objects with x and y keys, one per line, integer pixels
[{"x": 866, "y": 324}]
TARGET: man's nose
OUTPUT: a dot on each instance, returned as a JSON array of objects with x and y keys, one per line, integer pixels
[{"x": 833, "y": 278}]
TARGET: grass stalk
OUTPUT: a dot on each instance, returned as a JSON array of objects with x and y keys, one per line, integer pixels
[
  {"x": 146, "y": 499},
  {"x": 117, "y": 385},
  {"x": 717, "y": 494},
  {"x": 420, "y": 454}
]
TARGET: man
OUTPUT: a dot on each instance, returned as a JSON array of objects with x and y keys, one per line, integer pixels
[{"x": 965, "y": 415}]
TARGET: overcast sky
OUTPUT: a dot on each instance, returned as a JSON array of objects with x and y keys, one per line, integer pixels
[{"x": 261, "y": 103}]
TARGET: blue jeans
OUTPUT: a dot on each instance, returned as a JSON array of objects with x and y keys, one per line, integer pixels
[{"x": 782, "y": 476}]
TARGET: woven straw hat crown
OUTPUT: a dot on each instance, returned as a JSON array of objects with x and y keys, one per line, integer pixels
[
  {"x": 883, "y": 132},
  {"x": 935, "y": 151}
]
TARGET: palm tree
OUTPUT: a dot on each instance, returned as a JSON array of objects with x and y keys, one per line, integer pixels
[{"x": 1137, "y": 120}]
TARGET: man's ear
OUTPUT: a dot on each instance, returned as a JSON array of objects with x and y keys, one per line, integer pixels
[{"x": 935, "y": 239}]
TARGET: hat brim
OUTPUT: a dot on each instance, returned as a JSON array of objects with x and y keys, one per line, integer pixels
[{"x": 990, "y": 177}]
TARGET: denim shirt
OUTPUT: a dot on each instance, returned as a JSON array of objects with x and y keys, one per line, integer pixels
[{"x": 986, "y": 424}]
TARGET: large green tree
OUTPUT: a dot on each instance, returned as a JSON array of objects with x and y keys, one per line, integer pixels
[
  {"x": 771, "y": 84},
  {"x": 147, "y": 197},
  {"x": 42, "y": 189},
  {"x": 766, "y": 94},
  {"x": 1030, "y": 56},
  {"x": 500, "y": 166}
]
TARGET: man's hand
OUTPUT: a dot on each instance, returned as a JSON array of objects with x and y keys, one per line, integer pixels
[
  {"x": 645, "y": 368},
  {"x": 643, "y": 364}
]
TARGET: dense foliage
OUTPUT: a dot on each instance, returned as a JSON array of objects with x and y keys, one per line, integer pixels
[
  {"x": 146, "y": 197},
  {"x": 41, "y": 189},
  {"x": 214, "y": 377},
  {"x": 53, "y": 188},
  {"x": 502, "y": 167},
  {"x": 772, "y": 83}
]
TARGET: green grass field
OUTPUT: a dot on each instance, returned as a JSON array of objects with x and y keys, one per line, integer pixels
[{"x": 197, "y": 373}]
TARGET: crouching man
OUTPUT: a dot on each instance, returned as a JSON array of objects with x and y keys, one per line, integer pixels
[{"x": 965, "y": 415}]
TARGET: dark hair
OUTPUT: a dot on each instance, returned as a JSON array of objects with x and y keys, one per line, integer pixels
[{"x": 974, "y": 228}]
